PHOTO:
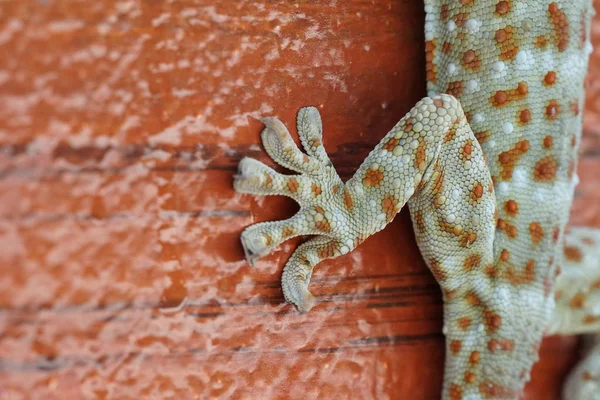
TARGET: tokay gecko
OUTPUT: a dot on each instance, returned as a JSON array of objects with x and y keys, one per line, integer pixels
[{"x": 486, "y": 164}]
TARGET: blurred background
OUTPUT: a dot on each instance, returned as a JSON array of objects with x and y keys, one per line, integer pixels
[{"x": 121, "y": 271}]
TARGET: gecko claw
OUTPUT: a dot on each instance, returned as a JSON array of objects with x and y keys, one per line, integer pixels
[{"x": 254, "y": 247}]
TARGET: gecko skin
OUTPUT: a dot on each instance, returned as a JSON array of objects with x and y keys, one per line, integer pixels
[{"x": 487, "y": 165}]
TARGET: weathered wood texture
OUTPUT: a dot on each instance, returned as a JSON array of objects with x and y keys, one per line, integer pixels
[{"x": 122, "y": 276}]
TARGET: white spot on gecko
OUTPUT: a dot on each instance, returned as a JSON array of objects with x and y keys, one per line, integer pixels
[
  {"x": 498, "y": 66},
  {"x": 520, "y": 177},
  {"x": 478, "y": 118},
  {"x": 452, "y": 68},
  {"x": 473, "y": 25},
  {"x": 502, "y": 188},
  {"x": 471, "y": 85}
]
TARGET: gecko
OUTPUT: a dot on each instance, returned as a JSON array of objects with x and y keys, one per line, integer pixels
[{"x": 487, "y": 165}]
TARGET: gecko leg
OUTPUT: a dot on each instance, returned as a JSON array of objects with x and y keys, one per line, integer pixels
[
  {"x": 577, "y": 287},
  {"x": 432, "y": 160},
  {"x": 578, "y": 307},
  {"x": 583, "y": 382},
  {"x": 340, "y": 215}
]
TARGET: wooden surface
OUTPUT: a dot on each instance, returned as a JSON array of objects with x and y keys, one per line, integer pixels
[{"x": 122, "y": 276}]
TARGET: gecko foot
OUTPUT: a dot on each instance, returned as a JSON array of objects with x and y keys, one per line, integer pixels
[{"x": 318, "y": 190}]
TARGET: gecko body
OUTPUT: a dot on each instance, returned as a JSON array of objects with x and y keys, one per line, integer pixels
[{"x": 487, "y": 165}]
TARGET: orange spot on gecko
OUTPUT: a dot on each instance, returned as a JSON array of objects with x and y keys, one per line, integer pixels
[
  {"x": 577, "y": 301},
  {"x": 500, "y": 97},
  {"x": 464, "y": 323},
  {"x": 446, "y": 47},
  {"x": 560, "y": 23},
  {"x": 482, "y": 136},
  {"x": 506, "y": 42},
  {"x": 471, "y": 61},
  {"x": 450, "y": 228},
  {"x": 504, "y": 255},
  {"x": 438, "y": 186},
  {"x": 507, "y": 228},
  {"x": 548, "y": 141},
  {"x": 573, "y": 253},
  {"x": 552, "y": 110},
  {"x": 472, "y": 262},
  {"x": 511, "y": 208},
  {"x": 268, "y": 239},
  {"x": 444, "y": 12},
  {"x": 373, "y": 177},
  {"x": 503, "y": 97},
  {"x": 430, "y": 67},
  {"x": 461, "y": 19},
  {"x": 455, "y": 392},
  {"x": 438, "y": 272},
  {"x": 541, "y": 42},
  {"x": 492, "y": 271},
  {"x": 348, "y": 201},
  {"x": 450, "y": 135},
  {"x": 492, "y": 321},
  {"x": 509, "y": 158},
  {"x": 470, "y": 377},
  {"x": 419, "y": 221},
  {"x": 390, "y": 207},
  {"x": 466, "y": 150},
  {"x": 536, "y": 231},
  {"x": 526, "y": 276},
  {"x": 550, "y": 78},
  {"x": 474, "y": 358},
  {"x": 391, "y": 144},
  {"x": 327, "y": 251},
  {"x": 468, "y": 238},
  {"x": 524, "y": 116},
  {"x": 293, "y": 185},
  {"x": 316, "y": 190},
  {"x": 545, "y": 169},
  {"x": 502, "y": 8},
  {"x": 455, "y": 88},
  {"x": 455, "y": 346},
  {"x": 502, "y": 344},
  {"x": 472, "y": 299},
  {"x": 287, "y": 232},
  {"x": 324, "y": 225},
  {"x": 268, "y": 180},
  {"x": 477, "y": 192},
  {"x": 420, "y": 155},
  {"x": 591, "y": 319}
]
